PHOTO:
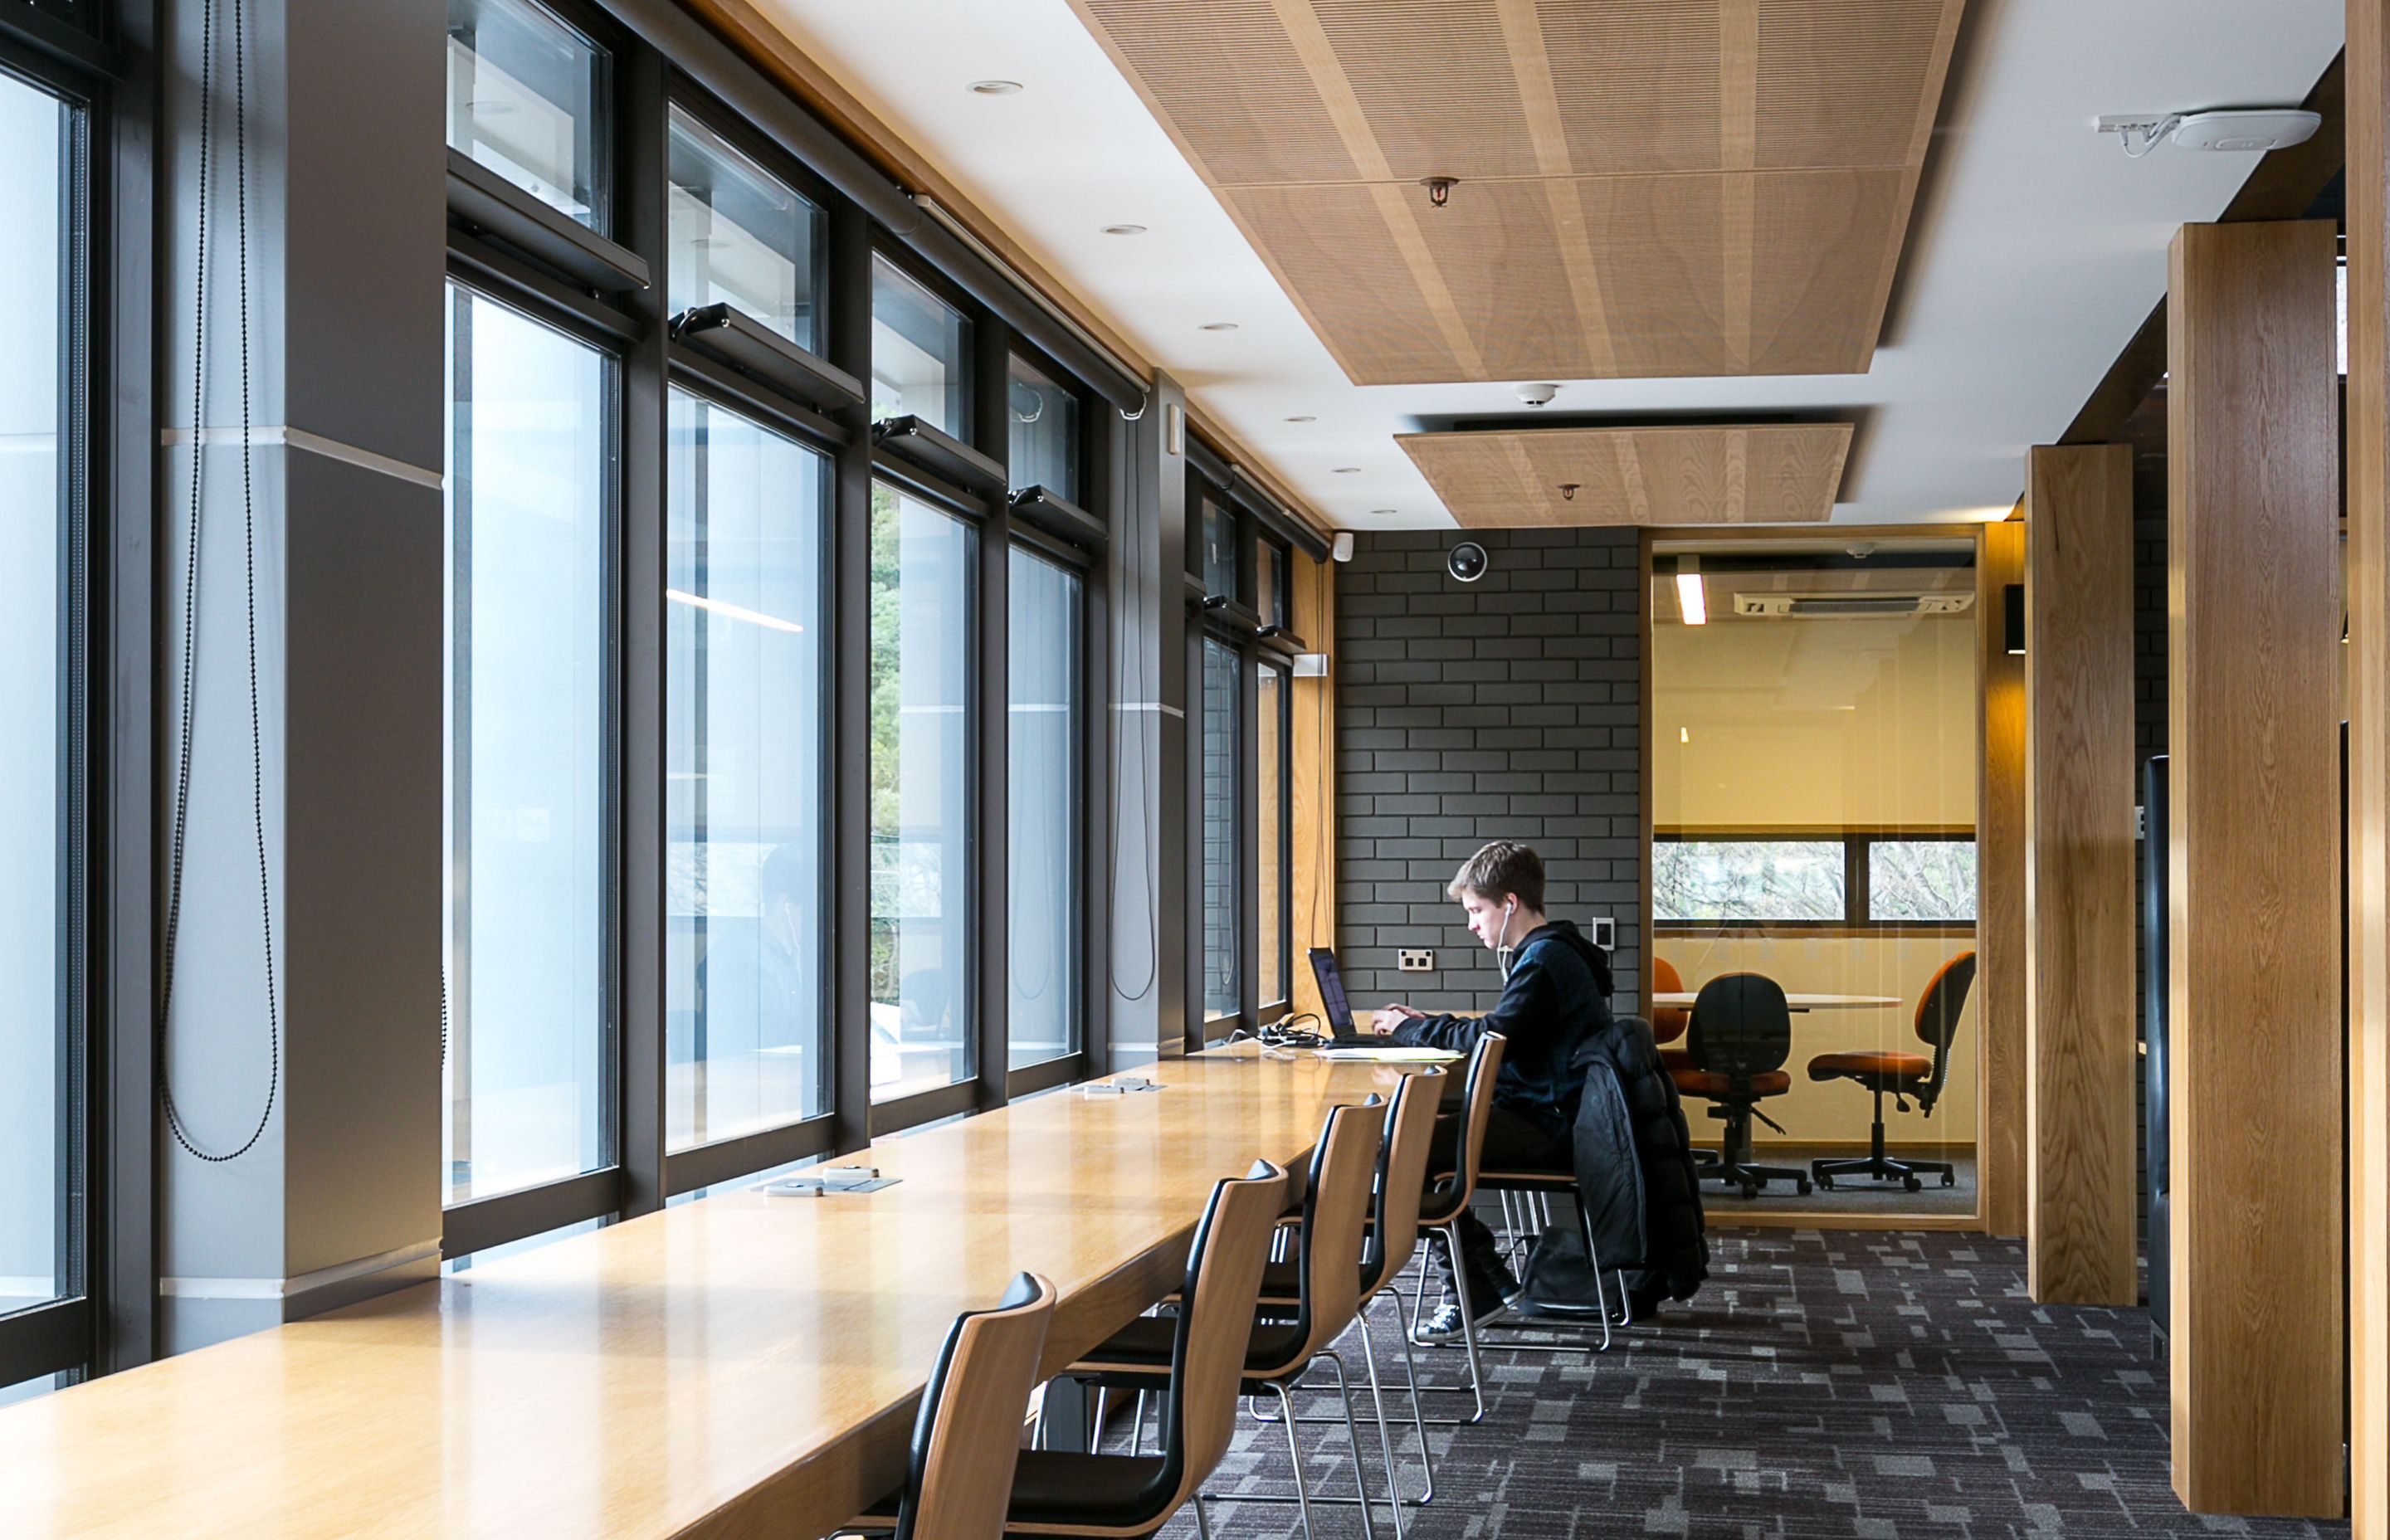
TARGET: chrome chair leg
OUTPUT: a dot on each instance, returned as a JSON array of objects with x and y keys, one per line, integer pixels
[
  {"x": 1203, "y": 1524},
  {"x": 1294, "y": 1454},
  {"x": 1137, "y": 1428},
  {"x": 1385, "y": 1434}
]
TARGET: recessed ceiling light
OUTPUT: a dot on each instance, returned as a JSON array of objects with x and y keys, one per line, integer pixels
[
  {"x": 1384, "y": 513},
  {"x": 996, "y": 87},
  {"x": 1303, "y": 419},
  {"x": 1124, "y": 229},
  {"x": 1348, "y": 470},
  {"x": 1220, "y": 325}
]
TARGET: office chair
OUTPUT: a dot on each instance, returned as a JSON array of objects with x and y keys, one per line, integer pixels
[
  {"x": 959, "y": 1471},
  {"x": 1903, "y": 1075},
  {"x": 1130, "y": 1496},
  {"x": 1282, "y": 1343},
  {"x": 1742, "y": 1032},
  {"x": 1668, "y": 1023}
]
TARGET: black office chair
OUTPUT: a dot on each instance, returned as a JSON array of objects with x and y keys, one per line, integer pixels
[
  {"x": 1740, "y": 1035},
  {"x": 1902, "y": 1075}
]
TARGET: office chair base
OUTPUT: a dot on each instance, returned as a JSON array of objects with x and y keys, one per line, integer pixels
[
  {"x": 1882, "y": 1168},
  {"x": 1752, "y": 1179}
]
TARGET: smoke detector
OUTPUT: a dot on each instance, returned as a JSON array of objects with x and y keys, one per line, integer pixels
[{"x": 2246, "y": 131}]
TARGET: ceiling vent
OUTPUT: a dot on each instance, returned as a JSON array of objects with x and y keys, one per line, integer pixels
[{"x": 1849, "y": 605}]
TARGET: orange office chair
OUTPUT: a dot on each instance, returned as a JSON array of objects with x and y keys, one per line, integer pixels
[
  {"x": 1668, "y": 1023},
  {"x": 1903, "y": 1075}
]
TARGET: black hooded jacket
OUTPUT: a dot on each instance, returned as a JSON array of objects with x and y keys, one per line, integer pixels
[{"x": 1556, "y": 1000}]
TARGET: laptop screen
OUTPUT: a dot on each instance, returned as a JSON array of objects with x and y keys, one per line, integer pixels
[{"x": 1334, "y": 1006}]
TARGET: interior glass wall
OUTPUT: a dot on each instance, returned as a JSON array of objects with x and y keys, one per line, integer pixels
[
  {"x": 1814, "y": 763},
  {"x": 923, "y": 620},
  {"x": 747, "y": 1045},
  {"x": 1042, "y": 907},
  {"x": 528, "y": 891},
  {"x": 41, "y": 752}
]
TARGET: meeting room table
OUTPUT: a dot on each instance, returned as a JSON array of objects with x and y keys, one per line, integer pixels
[
  {"x": 1682, "y": 999},
  {"x": 743, "y": 1365}
]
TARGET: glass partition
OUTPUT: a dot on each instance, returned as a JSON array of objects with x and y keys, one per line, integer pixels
[{"x": 1814, "y": 760}]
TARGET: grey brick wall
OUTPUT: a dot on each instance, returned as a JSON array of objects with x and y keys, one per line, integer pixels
[{"x": 1508, "y": 708}]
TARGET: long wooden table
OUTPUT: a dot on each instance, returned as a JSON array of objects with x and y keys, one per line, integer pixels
[{"x": 742, "y": 1366}]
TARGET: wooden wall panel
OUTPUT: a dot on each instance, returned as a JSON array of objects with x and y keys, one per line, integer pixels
[
  {"x": 1315, "y": 773},
  {"x": 2254, "y": 607},
  {"x": 2367, "y": 558},
  {"x": 1776, "y": 473},
  {"x": 2078, "y": 862},
  {"x": 1999, "y": 876}
]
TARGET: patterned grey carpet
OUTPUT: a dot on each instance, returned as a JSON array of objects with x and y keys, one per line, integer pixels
[{"x": 1877, "y": 1385}]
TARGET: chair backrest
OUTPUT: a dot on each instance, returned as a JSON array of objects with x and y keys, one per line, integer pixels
[
  {"x": 1742, "y": 1027},
  {"x": 958, "y": 1476},
  {"x": 1937, "y": 1017},
  {"x": 1335, "y": 1217},
  {"x": 1476, "y": 1109},
  {"x": 1216, "y": 1322},
  {"x": 1668, "y": 1023},
  {"x": 1402, "y": 1178}
]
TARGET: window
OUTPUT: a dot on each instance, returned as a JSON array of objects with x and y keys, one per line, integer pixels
[
  {"x": 1273, "y": 702},
  {"x": 1920, "y": 879},
  {"x": 1223, "y": 847},
  {"x": 42, "y": 752},
  {"x": 529, "y": 469},
  {"x": 747, "y": 1046},
  {"x": 1270, "y": 576},
  {"x": 1853, "y": 880},
  {"x": 525, "y": 95},
  {"x": 1218, "y": 542},
  {"x": 920, "y": 353},
  {"x": 1044, "y": 426},
  {"x": 740, "y": 236},
  {"x": 1043, "y": 793},
  {"x": 921, "y": 788}
]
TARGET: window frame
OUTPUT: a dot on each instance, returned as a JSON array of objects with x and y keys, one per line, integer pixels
[{"x": 1855, "y": 840}]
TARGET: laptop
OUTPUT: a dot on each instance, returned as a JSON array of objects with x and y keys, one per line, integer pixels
[{"x": 1335, "y": 1009}]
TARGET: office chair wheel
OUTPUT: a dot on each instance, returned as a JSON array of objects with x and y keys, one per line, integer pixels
[
  {"x": 1750, "y": 1190},
  {"x": 1950, "y": 1179},
  {"x": 1826, "y": 1183},
  {"x": 1801, "y": 1185},
  {"x": 1912, "y": 1184}
]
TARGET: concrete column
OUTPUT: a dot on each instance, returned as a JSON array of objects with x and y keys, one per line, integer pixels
[{"x": 340, "y": 466}]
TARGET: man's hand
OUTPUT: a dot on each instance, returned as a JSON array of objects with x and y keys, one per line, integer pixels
[{"x": 1390, "y": 1017}]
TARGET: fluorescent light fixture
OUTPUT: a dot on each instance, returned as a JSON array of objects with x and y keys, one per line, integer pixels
[
  {"x": 1692, "y": 600},
  {"x": 731, "y": 611},
  {"x": 1684, "y": 735}
]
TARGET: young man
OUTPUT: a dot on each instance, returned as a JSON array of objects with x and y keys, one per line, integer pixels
[{"x": 1555, "y": 997}]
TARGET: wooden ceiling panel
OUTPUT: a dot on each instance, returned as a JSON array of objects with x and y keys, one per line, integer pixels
[
  {"x": 1783, "y": 473},
  {"x": 1587, "y": 278},
  {"x": 1648, "y": 188}
]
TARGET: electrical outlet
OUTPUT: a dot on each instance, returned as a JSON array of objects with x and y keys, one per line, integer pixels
[
  {"x": 1605, "y": 932},
  {"x": 1416, "y": 960}
]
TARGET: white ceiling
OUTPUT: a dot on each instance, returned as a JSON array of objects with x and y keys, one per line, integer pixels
[{"x": 2036, "y": 252}]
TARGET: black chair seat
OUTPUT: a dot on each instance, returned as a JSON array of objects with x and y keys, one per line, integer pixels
[
  {"x": 1441, "y": 1203},
  {"x": 1140, "y": 1351},
  {"x": 1060, "y": 1486}
]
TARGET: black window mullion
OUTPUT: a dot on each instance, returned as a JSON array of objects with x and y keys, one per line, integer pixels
[
  {"x": 1249, "y": 832},
  {"x": 1854, "y": 879},
  {"x": 992, "y": 679},
  {"x": 848, "y": 666}
]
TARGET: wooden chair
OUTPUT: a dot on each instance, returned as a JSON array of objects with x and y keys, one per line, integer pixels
[
  {"x": 1902, "y": 1075},
  {"x": 1129, "y": 1496},
  {"x": 1446, "y": 1199},
  {"x": 959, "y": 1471},
  {"x": 1283, "y": 1340}
]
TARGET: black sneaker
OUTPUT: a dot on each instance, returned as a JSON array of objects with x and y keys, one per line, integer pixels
[{"x": 1445, "y": 1325}]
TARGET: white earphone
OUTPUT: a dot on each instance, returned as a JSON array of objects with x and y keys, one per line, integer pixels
[{"x": 1502, "y": 942}]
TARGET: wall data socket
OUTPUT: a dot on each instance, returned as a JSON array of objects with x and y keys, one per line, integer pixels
[
  {"x": 1605, "y": 932},
  {"x": 1416, "y": 960}
]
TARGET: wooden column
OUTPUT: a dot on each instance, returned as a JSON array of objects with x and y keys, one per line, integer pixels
[
  {"x": 2367, "y": 558},
  {"x": 2256, "y": 1046},
  {"x": 1999, "y": 879},
  {"x": 1314, "y": 749},
  {"x": 2079, "y": 803}
]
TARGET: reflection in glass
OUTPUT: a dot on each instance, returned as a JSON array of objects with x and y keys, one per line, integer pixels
[
  {"x": 524, "y": 99},
  {"x": 1044, "y": 418},
  {"x": 1270, "y": 702},
  {"x": 1042, "y": 792},
  {"x": 1922, "y": 880},
  {"x": 1218, "y": 536},
  {"x": 1222, "y": 869},
  {"x": 920, "y": 353},
  {"x": 39, "y": 1076},
  {"x": 1740, "y": 880},
  {"x": 741, "y": 236},
  {"x": 921, "y": 911},
  {"x": 530, "y": 461},
  {"x": 744, "y": 1030},
  {"x": 1270, "y": 576}
]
